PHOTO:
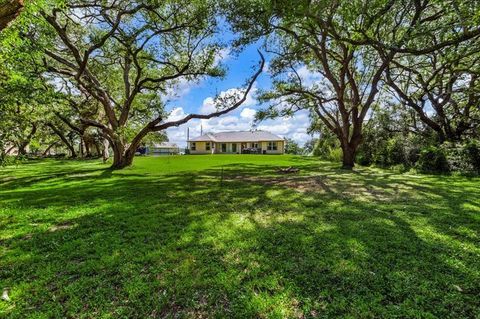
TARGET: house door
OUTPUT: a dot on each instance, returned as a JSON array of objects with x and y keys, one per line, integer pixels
[{"x": 234, "y": 147}]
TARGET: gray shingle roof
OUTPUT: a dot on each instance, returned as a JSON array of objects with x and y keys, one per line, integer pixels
[{"x": 240, "y": 136}]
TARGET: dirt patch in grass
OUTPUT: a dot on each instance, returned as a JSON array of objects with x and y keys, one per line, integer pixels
[
  {"x": 299, "y": 183},
  {"x": 61, "y": 226},
  {"x": 325, "y": 184}
]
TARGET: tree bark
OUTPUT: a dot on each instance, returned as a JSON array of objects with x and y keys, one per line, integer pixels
[
  {"x": 64, "y": 139},
  {"x": 9, "y": 11},
  {"x": 80, "y": 147},
  {"x": 123, "y": 155},
  {"x": 349, "y": 149},
  {"x": 348, "y": 157},
  {"x": 86, "y": 142},
  {"x": 49, "y": 148},
  {"x": 97, "y": 148},
  {"x": 106, "y": 150},
  {"x": 122, "y": 160},
  {"x": 22, "y": 147}
]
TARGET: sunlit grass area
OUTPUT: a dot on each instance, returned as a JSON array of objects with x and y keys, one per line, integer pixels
[{"x": 228, "y": 236}]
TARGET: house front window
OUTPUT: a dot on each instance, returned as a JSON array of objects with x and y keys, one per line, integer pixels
[
  {"x": 207, "y": 146},
  {"x": 193, "y": 146},
  {"x": 224, "y": 148},
  {"x": 272, "y": 146}
]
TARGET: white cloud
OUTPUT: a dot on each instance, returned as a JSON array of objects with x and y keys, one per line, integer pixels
[
  {"x": 181, "y": 89},
  {"x": 292, "y": 127},
  {"x": 209, "y": 106},
  {"x": 248, "y": 114},
  {"x": 176, "y": 114},
  {"x": 266, "y": 68},
  {"x": 308, "y": 77},
  {"x": 222, "y": 56}
]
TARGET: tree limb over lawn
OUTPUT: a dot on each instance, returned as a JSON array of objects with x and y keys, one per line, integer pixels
[{"x": 220, "y": 112}]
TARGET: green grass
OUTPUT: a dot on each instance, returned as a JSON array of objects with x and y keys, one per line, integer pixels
[{"x": 175, "y": 237}]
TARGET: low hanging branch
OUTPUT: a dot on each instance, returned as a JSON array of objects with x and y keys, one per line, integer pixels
[
  {"x": 189, "y": 117},
  {"x": 60, "y": 134}
]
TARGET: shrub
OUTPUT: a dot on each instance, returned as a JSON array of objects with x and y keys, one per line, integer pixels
[
  {"x": 384, "y": 152},
  {"x": 433, "y": 159},
  {"x": 329, "y": 153},
  {"x": 395, "y": 153},
  {"x": 463, "y": 158},
  {"x": 455, "y": 158},
  {"x": 325, "y": 145},
  {"x": 335, "y": 154},
  {"x": 6, "y": 160},
  {"x": 471, "y": 152},
  {"x": 366, "y": 151},
  {"x": 364, "y": 157},
  {"x": 401, "y": 168},
  {"x": 412, "y": 153}
]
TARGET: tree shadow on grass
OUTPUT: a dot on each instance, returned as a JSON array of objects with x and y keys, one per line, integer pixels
[
  {"x": 199, "y": 245},
  {"x": 364, "y": 266},
  {"x": 12, "y": 178}
]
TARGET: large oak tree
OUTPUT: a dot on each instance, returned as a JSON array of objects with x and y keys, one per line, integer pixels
[
  {"x": 128, "y": 55},
  {"x": 347, "y": 46}
]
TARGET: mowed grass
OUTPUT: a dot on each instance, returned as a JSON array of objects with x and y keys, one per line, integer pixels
[{"x": 229, "y": 237}]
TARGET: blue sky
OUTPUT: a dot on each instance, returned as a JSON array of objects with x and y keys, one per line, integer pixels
[{"x": 198, "y": 97}]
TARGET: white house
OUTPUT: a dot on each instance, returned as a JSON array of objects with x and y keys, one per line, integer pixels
[{"x": 241, "y": 142}]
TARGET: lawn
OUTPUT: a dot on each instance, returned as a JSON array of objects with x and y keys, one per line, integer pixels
[{"x": 227, "y": 236}]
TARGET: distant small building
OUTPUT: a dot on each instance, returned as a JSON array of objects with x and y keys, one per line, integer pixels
[
  {"x": 164, "y": 148},
  {"x": 241, "y": 142}
]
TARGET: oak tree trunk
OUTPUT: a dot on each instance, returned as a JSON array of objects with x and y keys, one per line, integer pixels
[
  {"x": 88, "y": 154},
  {"x": 122, "y": 155},
  {"x": 64, "y": 139},
  {"x": 22, "y": 147},
  {"x": 80, "y": 147},
  {"x": 47, "y": 151},
  {"x": 97, "y": 148},
  {"x": 121, "y": 161},
  {"x": 9, "y": 10},
  {"x": 348, "y": 157},
  {"x": 349, "y": 150},
  {"x": 106, "y": 150}
]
